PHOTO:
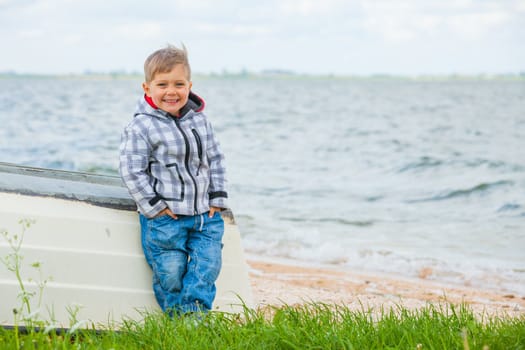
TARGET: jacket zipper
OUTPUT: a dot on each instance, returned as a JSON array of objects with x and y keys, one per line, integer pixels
[
  {"x": 187, "y": 163},
  {"x": 199, "y": 148}
]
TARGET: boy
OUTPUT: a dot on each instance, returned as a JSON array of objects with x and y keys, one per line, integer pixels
[{"x": 173, "y": 167}]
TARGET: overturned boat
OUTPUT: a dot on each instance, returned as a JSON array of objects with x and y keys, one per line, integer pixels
[{"x": 82, "y": 255}]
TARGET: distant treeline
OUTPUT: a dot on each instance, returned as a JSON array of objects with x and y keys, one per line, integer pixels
[{"x": 273, "y": 73}]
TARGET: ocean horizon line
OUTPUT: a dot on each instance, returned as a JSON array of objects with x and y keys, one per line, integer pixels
[{"x": 272, "y": 73}]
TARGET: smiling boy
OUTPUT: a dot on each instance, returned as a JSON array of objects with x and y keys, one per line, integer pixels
[{"x": 173, "y": 167}]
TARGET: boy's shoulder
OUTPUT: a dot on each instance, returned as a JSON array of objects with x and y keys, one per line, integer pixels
[{"x": 141, "y": 122}]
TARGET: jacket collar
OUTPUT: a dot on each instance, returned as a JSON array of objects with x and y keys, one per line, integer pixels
[{"x": 195, "y": 103}]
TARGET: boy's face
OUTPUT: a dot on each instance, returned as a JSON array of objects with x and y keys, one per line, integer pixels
[{"x": 169, "y": 91}]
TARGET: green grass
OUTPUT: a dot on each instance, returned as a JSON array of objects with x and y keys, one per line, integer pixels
[{"x": 310, "y": 326}]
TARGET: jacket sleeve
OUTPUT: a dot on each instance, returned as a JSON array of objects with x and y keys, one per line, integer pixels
[
  {"x": 134, "y": 161},
  {"x": 217, "y": 190}
]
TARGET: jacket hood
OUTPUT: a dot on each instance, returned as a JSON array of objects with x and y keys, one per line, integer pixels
[{"x": 146, "y": 106}]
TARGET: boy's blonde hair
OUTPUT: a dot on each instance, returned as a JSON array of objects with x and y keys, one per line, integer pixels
[{"x": 163, "y": 61}]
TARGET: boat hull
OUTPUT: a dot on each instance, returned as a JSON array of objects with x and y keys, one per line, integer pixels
[{"x": 91, "y": 257}]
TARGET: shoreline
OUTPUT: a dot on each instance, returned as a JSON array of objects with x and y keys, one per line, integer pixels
[{"x": 277, "y": 283}]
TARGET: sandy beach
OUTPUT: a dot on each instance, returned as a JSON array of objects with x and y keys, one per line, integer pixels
[{"x": 278, "y": 283}]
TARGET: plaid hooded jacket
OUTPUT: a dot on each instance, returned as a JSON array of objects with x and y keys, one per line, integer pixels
[{"x": 174, "y": 162}]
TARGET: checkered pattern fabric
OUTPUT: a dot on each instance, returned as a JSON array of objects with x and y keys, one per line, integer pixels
[{"x": 172, "y": 162}]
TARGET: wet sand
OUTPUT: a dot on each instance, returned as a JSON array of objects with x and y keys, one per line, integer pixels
[{"x": 278, "y": 283}]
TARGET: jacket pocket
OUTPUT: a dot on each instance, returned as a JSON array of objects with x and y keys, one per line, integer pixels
[{"x": 167, "y": 189}]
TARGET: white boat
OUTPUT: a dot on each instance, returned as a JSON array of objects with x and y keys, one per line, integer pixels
[{"x": 86, "y": 236}]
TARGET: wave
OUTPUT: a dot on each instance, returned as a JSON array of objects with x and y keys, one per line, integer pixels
[
  {"x": 359, "y": 223},
  {"x": 509, "y": 207},
  {"x": 478, "y": 189},
  {"x": 98, "y": 169},
  {"x": 493, "y": 164},
  {"x": 427, "y": 162},
  {"x": 423, "y": 163}
]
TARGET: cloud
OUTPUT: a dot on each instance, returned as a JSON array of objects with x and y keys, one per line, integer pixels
[
  {"x": 410, "y": 20},
  {"x": 476, "y": 25},
  {"x": 231, "y": 30},
  {"x": 31, "y": 34},
  {"x": 137, "y": 31},
  {"x": 9, "y": 4},
  {"x": 303, "y": 35},
  {"x": 312, "y": 8}
]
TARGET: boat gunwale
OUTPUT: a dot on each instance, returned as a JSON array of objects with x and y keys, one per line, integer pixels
[{"x": 123, "y": 202}]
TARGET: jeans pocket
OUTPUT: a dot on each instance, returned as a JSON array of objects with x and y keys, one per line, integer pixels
[
  {"x": 159, "y": 217},
  {"x": 163, "y": 232}
]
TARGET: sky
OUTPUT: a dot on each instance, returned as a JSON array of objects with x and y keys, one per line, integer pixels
[{"x": 343, "y": 37}]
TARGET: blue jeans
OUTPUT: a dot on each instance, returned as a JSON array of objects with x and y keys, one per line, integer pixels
[{"x": 185, "y": 256}]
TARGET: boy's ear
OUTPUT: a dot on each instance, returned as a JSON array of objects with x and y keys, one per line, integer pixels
[{"x": 145, "y": 87}]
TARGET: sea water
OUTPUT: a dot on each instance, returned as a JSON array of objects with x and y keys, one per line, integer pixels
[{"x": 408, "y": 177}]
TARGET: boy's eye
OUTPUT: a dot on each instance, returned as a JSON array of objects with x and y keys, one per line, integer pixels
[
  {"x": 181, "y": 84},
  {"x": 161, "y": 84}
]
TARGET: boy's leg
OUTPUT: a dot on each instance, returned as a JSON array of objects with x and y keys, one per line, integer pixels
[
  {"x": 205, "y": 251},
  {"x": 144, "y": 229},
  {"x": 164, "y": 244}
]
